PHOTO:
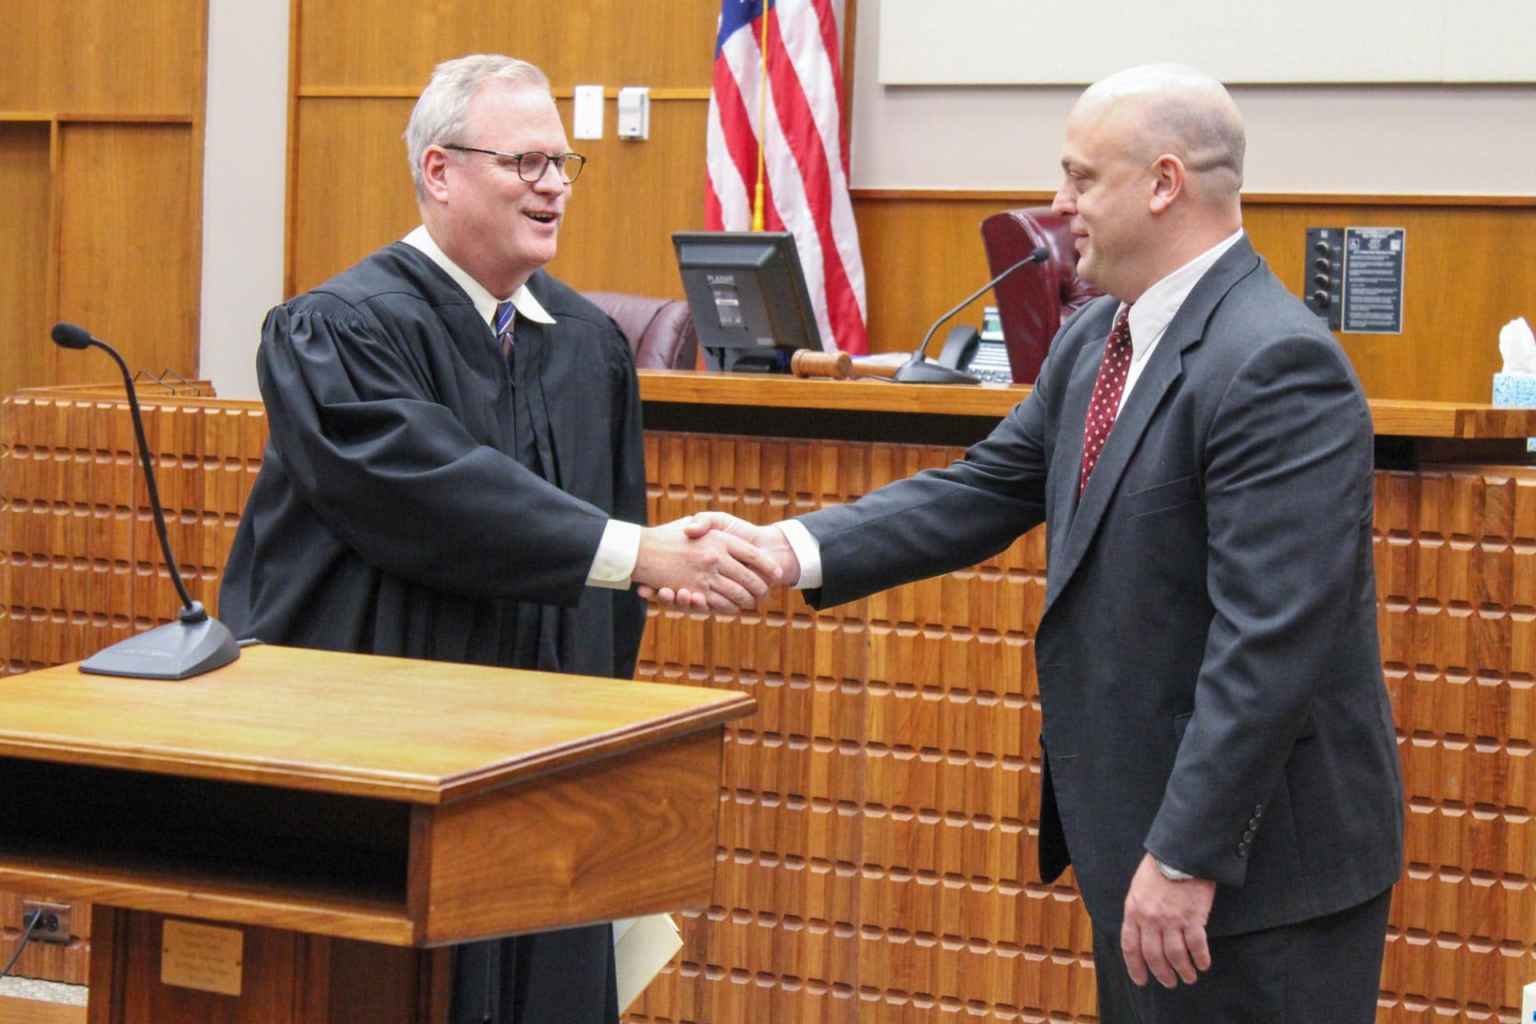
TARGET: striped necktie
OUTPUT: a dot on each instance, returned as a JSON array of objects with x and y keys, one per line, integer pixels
[{"x": 501, "y": 325}]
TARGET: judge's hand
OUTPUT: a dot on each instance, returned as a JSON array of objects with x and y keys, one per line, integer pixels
[
  {"x": 1164, "y": 927},
  {"x": 768, "y": 539},
  {"x": 717, "y": 570}
]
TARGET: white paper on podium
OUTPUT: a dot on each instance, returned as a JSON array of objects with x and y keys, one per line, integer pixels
[{"x": 642, "y": 946}]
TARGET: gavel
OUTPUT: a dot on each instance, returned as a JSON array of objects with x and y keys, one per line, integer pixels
[{"x": 838, "y": 365}]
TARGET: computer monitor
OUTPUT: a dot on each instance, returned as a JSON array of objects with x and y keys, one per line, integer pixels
[{"x": 748, "y": 297}]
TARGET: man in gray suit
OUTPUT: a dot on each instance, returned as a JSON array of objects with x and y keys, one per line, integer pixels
[{"x": 1220, "y": 759}]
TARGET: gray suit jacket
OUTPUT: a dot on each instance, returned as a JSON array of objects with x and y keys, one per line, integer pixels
[{"x": 1209, "y": 669}]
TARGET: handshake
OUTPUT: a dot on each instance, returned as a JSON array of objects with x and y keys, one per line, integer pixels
[{"x": 713, "y": 561}]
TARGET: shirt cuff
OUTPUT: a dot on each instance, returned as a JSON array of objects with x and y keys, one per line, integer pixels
[
  {"x": 1170, "y": 872},
  {"x": 616, "y": 555},
  {"x": 807, "y": 549}
]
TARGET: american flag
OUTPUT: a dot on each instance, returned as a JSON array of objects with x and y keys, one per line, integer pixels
[{"x": 805, "y": 160}]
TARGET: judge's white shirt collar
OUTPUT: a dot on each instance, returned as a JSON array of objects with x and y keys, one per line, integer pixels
[{"x": 485, "y": 303}]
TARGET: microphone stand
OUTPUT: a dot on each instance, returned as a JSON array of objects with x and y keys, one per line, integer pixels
[
  {"x": 196, "y": 642},
  {"x": 918, "y": 370}
]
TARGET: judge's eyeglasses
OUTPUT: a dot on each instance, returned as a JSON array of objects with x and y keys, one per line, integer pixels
[{"x": 532, "y": 165}]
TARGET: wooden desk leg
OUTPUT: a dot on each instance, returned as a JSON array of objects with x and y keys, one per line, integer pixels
[{"x": 286, "y": 978}]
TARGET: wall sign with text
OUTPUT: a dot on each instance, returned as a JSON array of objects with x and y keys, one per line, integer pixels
[{"x": 1373, "y": 280}]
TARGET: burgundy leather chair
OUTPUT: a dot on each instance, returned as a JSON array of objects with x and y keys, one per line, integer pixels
[
  {"x": 1033, "y": 301},
  {"x": 660, "y": 331}
]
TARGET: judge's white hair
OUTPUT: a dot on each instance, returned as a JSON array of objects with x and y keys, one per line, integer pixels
[{"x": 442, "y": 112}]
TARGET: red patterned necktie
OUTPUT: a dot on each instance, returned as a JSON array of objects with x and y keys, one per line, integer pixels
[{"x": 1105, "y": 404}]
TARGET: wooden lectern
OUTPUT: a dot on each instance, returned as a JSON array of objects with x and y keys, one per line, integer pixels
[{"x": 287, "y": 839}]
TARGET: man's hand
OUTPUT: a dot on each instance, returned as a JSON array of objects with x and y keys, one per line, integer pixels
[
  {"x": 767, "y": 539},
  {"x": 1164, "y": 926},
  {"x": 715, "y": 570}
]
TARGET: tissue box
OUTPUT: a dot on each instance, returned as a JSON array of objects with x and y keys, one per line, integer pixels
[{"x": 1516, "y": 391}]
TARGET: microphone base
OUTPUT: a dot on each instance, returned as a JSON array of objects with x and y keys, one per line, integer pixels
[
  {"x": 926, "y": 372},
  {"x": 177, "y": 650}
]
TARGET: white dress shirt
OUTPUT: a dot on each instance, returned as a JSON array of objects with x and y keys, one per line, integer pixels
[
  {"x": 1150, "y": 317},
  {"x": 619, "y": 547}
]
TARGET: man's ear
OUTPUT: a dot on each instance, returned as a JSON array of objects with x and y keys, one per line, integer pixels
[
  {"x": 1168, "y": 178},
  {"x": 434, "y": 173}
]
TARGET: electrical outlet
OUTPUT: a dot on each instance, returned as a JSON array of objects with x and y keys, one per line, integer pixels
[{"x": 54, "y": 927}]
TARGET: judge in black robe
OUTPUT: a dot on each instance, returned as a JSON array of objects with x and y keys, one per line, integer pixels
[
  {"x": 431, "y": 490},
  {"x": 422, "y": 497}
]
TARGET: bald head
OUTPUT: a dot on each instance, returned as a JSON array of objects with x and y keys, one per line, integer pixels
[
  {"x": 1174, "y": 109},
  {"x": 1152, "y": 165}
]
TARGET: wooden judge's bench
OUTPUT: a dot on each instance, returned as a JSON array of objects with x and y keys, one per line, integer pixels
[{"x": 876, "y": 856}]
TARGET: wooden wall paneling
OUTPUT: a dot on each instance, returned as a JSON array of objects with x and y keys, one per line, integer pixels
[
  {"x": 921, "y": 256},
  {"x": 352, "y": 193},
  {"x": 1467, "y": 272},
  {"x": 350, "y": 184},
  {"x": 103, "y": 57},
  {"x": 129, "y": 240},
  {"x": 357, "y": 68},
  {"x": 27, "y": 357},
  {"x": 1470, "y": 268},
  {"x": 617, "y": 233},
  {"x": 367, "y": 44}
]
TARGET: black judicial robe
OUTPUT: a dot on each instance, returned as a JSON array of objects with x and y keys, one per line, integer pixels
[{"x": 420, "y": 498}]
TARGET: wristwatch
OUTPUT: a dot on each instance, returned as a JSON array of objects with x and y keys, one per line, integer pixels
[{"x": 1172, "y": 874}]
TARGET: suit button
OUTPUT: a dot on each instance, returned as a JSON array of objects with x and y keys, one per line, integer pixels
[
  {"x": 1242, "y": 849},
  {"x": 1248, "y": 837},
  {"x": 1258, "y": 809},
  {"x": 1253, "y": 822}
]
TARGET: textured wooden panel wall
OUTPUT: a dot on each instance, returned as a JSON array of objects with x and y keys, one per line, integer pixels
[
  {"x": 877, "y": 858},
  {"x": 84, "y": 567},
  {"x": 1455, "y": 557}
]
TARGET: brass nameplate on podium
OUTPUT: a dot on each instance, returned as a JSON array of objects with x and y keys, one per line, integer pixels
[{"x": 201, "y": 956}]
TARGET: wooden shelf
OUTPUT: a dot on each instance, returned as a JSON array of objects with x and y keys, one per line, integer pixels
[
  {"x": 1463, "y": 421},
  {"x": 188, "y": 891},
  {"x": 1448, "y": 420}
]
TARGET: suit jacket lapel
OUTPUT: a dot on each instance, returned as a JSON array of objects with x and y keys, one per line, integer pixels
[{"x": 1164, "y": 367}]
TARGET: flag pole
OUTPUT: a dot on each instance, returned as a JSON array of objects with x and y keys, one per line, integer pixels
[{"x": 762, "y": 120}]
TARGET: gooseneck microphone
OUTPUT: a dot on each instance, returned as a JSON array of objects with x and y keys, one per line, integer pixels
[
  {"x": 918, "y": 370},
  {"x": 196, "y": 642}
]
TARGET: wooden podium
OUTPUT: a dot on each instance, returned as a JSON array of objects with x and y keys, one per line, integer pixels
[{"x": 287, "y": 839}]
